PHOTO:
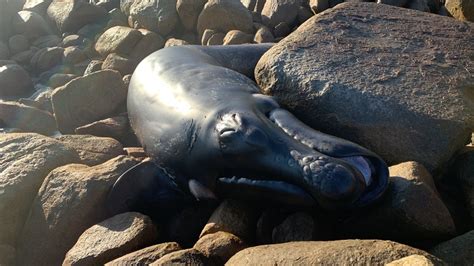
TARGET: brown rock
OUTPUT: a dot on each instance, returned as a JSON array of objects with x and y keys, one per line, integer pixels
[
  {"x": 59, "y": 79},
  {"x": 344, "y": 91},
  {"x": 71, "y": 15},
  {"x": 277, "y": 11},
  {"x": 318, "y": 6},
  {"x": 112, "y": 238},
  {"x": 413, "y": 171},
  {"x": 399, "y": 3},
  {"x": 149, "y": 43},
  {"x": 220, "y": 246},
  {"x": 93, "y": 66},
  {"x": 296, "y": 227},
  {"x": 341, "y": 252},
  {"x": 175, "y": 42},
  {"x": 188, "y": 12},
  {"x": 460, "y": 9},
  {"x": 147, "y": 255},
  {"x": 418, "y": 260},
  {"x": 216, "y": 39},
  {"x": 71, "y": 199},
  {"x": 183, "y": 257},
  {"x": 73, "y": 55},
  {"x": 457, "y": 251},
  {"x": 26, "y": 159},
  {"x": 207, "y": 35},
  {"x": 117, "y": 39},
  {"x": 237, "y": 37},
  {"x": 119, "y": 63},
  {"x": 233, "y": 217},
  {"x": 87, "y": 99},
  {"x": 156, "y": 15},
  {"x": 7, "y": 255},
  {"x": 137, "y": 152},
  {"x": 26, "y": 118},
  {"x": 93, "y": 150},
  {"x": 263, "y": 35},
  {"x": 14, "y": 81}
]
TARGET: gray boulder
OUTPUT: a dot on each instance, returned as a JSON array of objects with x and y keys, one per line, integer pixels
[
  {"x": 30, "y": 24},
  {"x": 159, "y": 16},
  {"x": 277, "y": 11},
  {"x": 188, "y": 12},
  {"x": 351, "y": 72},
  {"x": 117, "y": 39}
]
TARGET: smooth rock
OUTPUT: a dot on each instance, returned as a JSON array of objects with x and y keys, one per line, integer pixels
[
  {"x": 188, "y": 12},
  {"x": 47, "y": 41},
  {"x": 156, "y": 15},
  {"x": 87, "y": 99},
  {"x": 463, "y": 169},
  {"x": 119, "y": 63},
  {"x": 7, "y": 255},
  {"x": 264, "y": 35},
  {"x": 183, "y": 257},
  {"x": 93, "y": 150},
  {"x": 30, "y": 24},
  {"x": 296, "y": 227},
  {"x": 47, "y": 58},
  {"x": 23, "y": 58},
  {"x": 282, "y": 29},
  {"x": 413, "y": 171},
  {"x": 4, "y": 51},
  {"x": 328, "y": 73},
  {"x": 93, "y": 66},
  {"x": 207, "y": 35},
  {"x": 71, "y": 199},
  {"x": 14, "y": 81},
  {"x": 418, "y": 260},
  {"x": 175, "y": 42},
  {"x": 112, "y": 238},
  {"x": 37, "y": 6},
  {"x": 71, "y": 15},
  {"x": 277, "y": 11},
  {"x": 420, "y": 5},
  {"x": 233, "y": 217},
  {"x": 216, "y": 39},
  {"x": 224, "y": 15},
  {"x": 341, "y": 252},
  {"x": 26, "y": 159},
  {"x": 6, "y": 13},
  {"x": 117, "y": 39},
  {"x": 457, "y": 251},
  {"x": 399, "y": 3},
  {"x": 220, "y": 246},
  {"x": 18, "y": 43},
  {"x": 137, "y": 152},
  {"x": 58, "y": 80},
  {"x": 461, "y": 9},
  {"x": 26, "y": 118},
  {"x": 146, "y": 255},
  {"x": 237, "y": 37},
  {"x": 73, "y": 55},
  {"x": 149, "y": 43},
  {"x": 73, "y": 40},
  {"x": 318, "y": 6}
]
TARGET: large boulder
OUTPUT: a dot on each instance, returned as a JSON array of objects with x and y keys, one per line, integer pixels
[
  {"x": 375, "y": 74},
  {"x": 87, "y": 99},
  {"x": 149, "y": 43},
  {"x": 71, "y": 15},
  {"x": 71, "y": 199},
  {"x": 188, "y": 12},
  {"x": 117, "y": 39},
  {"x": 112, "y": 238},
  {"x": 25, "y": 161},
  {"x": 342, "y": 252},
  {"x": 14, "y": 80},
  {"x": 25, "y": 118},
  {"x": 146, "y": 255},
  {"x": 156, "y": 15},
  {"x": 277, "y": 11},
  {"x": 220, "y": 246}
]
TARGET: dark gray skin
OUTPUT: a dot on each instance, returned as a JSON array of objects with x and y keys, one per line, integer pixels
[{"x": 201, "y": 118}]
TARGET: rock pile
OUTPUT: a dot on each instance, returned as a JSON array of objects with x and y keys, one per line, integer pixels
[{"x": 396, "y": 80}]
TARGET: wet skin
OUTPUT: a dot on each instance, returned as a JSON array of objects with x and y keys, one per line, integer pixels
[{"x": 202, "y": 120}]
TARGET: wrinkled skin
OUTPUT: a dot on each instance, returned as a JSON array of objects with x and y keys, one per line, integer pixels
[{"x": 202, "y": 119}]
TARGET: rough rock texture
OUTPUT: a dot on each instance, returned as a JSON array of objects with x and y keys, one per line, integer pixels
[
  {"x": 233, "y": 217},
  {"x": 25, "y": 160},
  {"x": 296, "y": 227},
  {"x": 117, "y": 39},
  {"x": 410, "y": 210},
  {"x": 220, "y": 246},
  {"x": 149, "y": 43},
  {"x": 147, "y": 255},
  {"x": 417, "y": 260},
  {"x": 14, "y": 80},
  {"x": 457, "y": 251},
  {"x": 461, "y": 9},
  {"x": 71, "y": 199},
  {"x": 119, "y": 63},
  {"x": 71, "y": 15},
  {"x": 237, "y": 37},
  {"x": 112, "y": 238},
  {"x": 25, "y": 118},
  {"x": 375, "y": 74},
  {"x": 224, "y": 15},
  {"x": 156, "y": 15},
  {"x": 188, "y": 12},
  {"x": 87, "y": 99},
  {"x": 277, "y": 11},
  {"x": 355, "y": 252},
  {"x": 183, "y": 257},
  {"x": 93, "y": 150}
]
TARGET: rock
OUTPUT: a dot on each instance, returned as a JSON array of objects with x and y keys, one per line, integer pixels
[
  {"x": 26, "y": 160},
  {"x": 93, "y": 150},
  {"x": 418, "y": 260},
  {"x": 136, "y": 152},
  {"x": 460, "y": 9},
  {"x": 399, "y": 3},
  {"x": 116, "y": 127},
  {"x": 30, "y": 24},
  {"x": 413, "y": 171},
  {"x": 304, "y": 13},
  {"x": 71, "y": 15},
  {"x": 410, "y": 210},
  {"x": 71, "y": 199},
  {"x": 37, "y": 6},
  {"x": 7, "y": 255},
  {"x": 282, "y": 29},
  {"x": 341, "y": 252},
  {"x": 220, "y": 246},
  {"x": 93, "y": 66},
  {"x": 107, "y": 4},
  {"x": 149, "y": 43},
  {"x": 207, "y": 35},
  {"x": 110, "y": 239},
  {"x": 87, "y": 99},
  {"x": 263, "y": 35},
  {"x": 183, "y": 257},
  {"x": 325, "y": 89},
  {"x": 23, "y": 58},
  {"x": 14, "y": 81},
  {"x": 73, "y": 55},
  {"x": 233, "y": 217},
  {"x": 277, "y": 11},
  {"x": 4, "y": 51},
  {"x": 216, "y": 39},
  {"x": 188, "y": 12},
  {"x": 117, "y": 39},
  {"x": 73, "y": 40},
  {"x": 224, "y": 15},
  {"x": 267, "y": 221},
  {"x": 125, "y": 6},
  {"x": 156, "y": 15},
  {"x": 6, "y": 13},
  {"x": 18, "y": 43},
  {"x": 237, "y": 37},
  {"x": 26, "y": 118},
  {"x": 147, "y": 255},
  {"x": 318, "y": 6},
  {"x": 420, "y": 5},
  {"x": 296, "y": 227},
  {"x": 463, "y": 169},
  {"x": 119, "y": 63},
  {"x": 457, "y": 251},
  {"x": 47, "y": 58},
  {"x": 175, "y": 42},
  {"x": 47, "y": 41},
  {"x": 58, "y": 80}
]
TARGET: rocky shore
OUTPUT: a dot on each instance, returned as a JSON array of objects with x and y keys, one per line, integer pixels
[{"x": 396, "y": 76}]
